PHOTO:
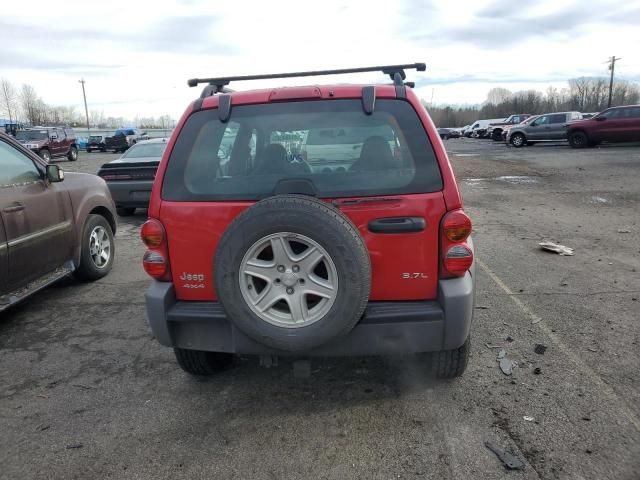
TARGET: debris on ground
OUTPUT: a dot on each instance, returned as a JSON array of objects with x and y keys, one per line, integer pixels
[
  {"x": 537, "y": 371},
  {"x": 556, "y": 248},
  {"x": 74, "y": 445},
  {"x": 510, "y": 461},
  {"x": 506, "y": 364},
  {"x": 528, "y": 418},
  {"x": 482, "y": 307},
  {"x": 591, "y": 349},
  {"x": 509, "y": 339},
  {"x": 540, "y": 348},
  {"x": 623, "y": 230},
  {"x": 492, "y": 346}
]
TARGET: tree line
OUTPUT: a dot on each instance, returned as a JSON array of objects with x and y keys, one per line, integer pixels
[
  {"x": 24, "y": 105},
  {"x": 584, "y": 94}
]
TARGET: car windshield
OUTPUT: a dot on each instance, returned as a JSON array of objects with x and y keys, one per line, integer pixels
[
  {"x": 145, "y": 150},
  {"x": 32, "y": 135},
  {"x": 332, "y": 147}
]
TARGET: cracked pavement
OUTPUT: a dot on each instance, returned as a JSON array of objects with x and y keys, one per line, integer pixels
[{"x": 86, "y": 392}]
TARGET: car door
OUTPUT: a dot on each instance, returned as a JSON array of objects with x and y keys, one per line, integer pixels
[
  {"x": 556, "y": 128},
  {"x": 36, "y": 215},
  {"x": 609, "y": 126},
  {"x": 629, "y": 124},
  {"x": 536, "y": 130}
]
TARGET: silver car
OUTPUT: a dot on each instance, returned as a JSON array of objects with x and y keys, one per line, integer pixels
[{"x": 548, "y": 127}]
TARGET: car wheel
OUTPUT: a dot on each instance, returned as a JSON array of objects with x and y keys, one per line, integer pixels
[
  {"x": 497, "y": 136},
  {"x": 125, "y": 212},
  {"x": 518, "y": 140},
  {"x": 73, "y": 154},
  {"x": 197, "y": 362},
  {"x": 578, "y": 140},
  {"x": 97, "y": 249},
  {"x": 451, "y": 363},
  {"x": 89, "y": 150},
  {"x": 287, "y": 283},
  {"x": 45, "y": 155}
]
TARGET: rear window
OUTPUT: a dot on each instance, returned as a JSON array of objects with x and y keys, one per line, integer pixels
[
  {"x": 145, "y": 150},
  {"x": 332, "y": 144}
]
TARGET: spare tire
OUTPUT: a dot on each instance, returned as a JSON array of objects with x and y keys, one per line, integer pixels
[{"x": 292, "y": 272}]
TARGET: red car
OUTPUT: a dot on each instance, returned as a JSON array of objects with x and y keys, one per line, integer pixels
[
  {"x": 316, "y": 221},
  {"x": 613, "y": 125}
]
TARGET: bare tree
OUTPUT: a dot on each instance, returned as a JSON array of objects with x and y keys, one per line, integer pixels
[
  {"x": 8, "y": 99},
  {"x": 498, "y": 95}
]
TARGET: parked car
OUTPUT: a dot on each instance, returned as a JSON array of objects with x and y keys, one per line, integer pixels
[
  {"x": 124, "y": 138},
  {"x": 447, "y": 133},
  {"x": 494, "y": 130},
  {"x": 547, "y": 127},
  {"x": 505, "y": 131},
  {"x": 271, "y": 258},
  {"x": 49, "y": 227},
  {"x": 96, "y": 142},
  {"x": 616, "y": 124},
  {"x": 130, "y": 177},
  {"x": 479, "y": 128},
  {"x": 50, "y": 142}
]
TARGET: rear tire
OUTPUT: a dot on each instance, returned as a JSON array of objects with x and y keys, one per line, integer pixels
[
  {"x": 497, "y": 136},
  {"x": 518, "y": 140},
  {"x": 93, "y": 265},
  {"x": 578, "y": 140},
  {"x": 451, "y": 363},
  {"x": 197, "y": 362},
  {"x": 73, "y": 154},
  {"x": 45, "y": 155}
]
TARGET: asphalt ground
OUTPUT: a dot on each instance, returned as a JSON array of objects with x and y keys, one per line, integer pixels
[{"x": 86, "y": 392}]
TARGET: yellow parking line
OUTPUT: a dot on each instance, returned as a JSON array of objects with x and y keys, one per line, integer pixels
[{"x": 583, "y": 367}]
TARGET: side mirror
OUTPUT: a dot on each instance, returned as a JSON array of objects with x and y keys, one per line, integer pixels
[
  {"x": 600, "y": 119},
  {"x": 54, "y": 173}
]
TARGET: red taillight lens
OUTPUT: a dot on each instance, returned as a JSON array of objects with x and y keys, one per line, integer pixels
[
  {"x": 456, "y": 255},
  {"x": 152, "y": 233},
  {"x": 154, "y": 264},
  {"x": 458, "y": 260},
  {"x": 456, "y": 226}
]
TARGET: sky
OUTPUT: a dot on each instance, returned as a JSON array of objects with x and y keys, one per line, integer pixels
[{"x": 136, "y": 56}]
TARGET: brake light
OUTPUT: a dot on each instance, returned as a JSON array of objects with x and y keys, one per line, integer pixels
[
  {"x": 152, "y": 233},
  {"x": 156, "y": 259},
  {"x": 456, "y": 226},
  {"x": 456, "y": 255},
  {"x": 154, "y": 264}
]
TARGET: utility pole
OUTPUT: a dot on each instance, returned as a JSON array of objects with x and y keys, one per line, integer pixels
[
  {"x": 86, "y": 111},
  {"x": 612, "y": 66}
]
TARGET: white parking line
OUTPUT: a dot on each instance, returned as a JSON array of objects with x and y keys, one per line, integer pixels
[{"x": 583, "y": 367}]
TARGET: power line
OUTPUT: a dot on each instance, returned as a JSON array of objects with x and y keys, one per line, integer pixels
[{"x": 612, "y": 66}]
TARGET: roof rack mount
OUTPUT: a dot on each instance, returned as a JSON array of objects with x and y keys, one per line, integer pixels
[{"x": 394, "y": 71}]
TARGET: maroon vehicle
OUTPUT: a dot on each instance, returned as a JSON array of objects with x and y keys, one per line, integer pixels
[
  {"x": 49, "y": 229},
  {"x": 613, "y": 125},
  {"x": 50, "y": 142}
]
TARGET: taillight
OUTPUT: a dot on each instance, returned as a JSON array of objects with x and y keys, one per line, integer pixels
[
  {"x": 156, "y": 259},
  {"x": 152, "y": 233},
  {"x": 456, "y": 226},
  {"x": 154, "y": 264},
  {"x": 456, "y": 255}
]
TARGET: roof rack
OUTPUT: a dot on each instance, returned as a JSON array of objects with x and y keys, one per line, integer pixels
[{"x": 396, "y": 72}]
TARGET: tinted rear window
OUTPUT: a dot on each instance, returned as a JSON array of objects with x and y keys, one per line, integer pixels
[{"x": 333, "y": 144}]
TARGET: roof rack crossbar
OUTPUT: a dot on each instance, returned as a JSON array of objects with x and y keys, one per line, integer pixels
[{"x": 390, "y": 70}]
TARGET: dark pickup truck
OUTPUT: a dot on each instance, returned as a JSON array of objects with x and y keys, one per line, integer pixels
[{"x": 124, "y": 138}]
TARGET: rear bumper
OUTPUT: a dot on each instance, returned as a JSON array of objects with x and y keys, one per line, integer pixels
[
  {"x": 385, "y": 328},
  {"x": 131, "y": 194}
]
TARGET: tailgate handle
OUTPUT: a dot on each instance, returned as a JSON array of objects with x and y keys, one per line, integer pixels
[
  {"x": 15, "y": 207},
  {"x": 397, "y": 225}
]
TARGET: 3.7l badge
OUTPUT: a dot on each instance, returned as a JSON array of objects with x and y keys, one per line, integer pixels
[{"x": 414, "y": 275}]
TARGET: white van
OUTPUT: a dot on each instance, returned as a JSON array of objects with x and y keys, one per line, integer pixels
[{"x": 479, "y": 127}]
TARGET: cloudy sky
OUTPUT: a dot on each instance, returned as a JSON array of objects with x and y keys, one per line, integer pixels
[{"x": 136, "y": 56}]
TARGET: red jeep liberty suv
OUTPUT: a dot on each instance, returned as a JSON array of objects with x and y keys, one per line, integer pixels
[{"x": 314, "y": 221}]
